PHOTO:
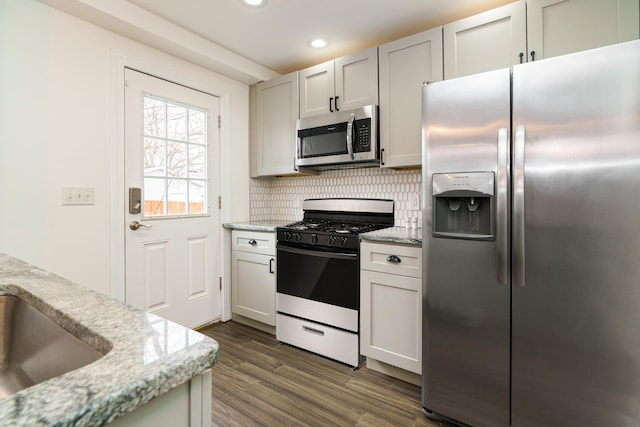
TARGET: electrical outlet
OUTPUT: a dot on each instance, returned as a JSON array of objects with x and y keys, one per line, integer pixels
[
  {"x": 78, "y": 196},
  {"x": 414, "y": 202}
]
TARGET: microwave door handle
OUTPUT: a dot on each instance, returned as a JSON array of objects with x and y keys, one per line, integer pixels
[{"x": 352, "y": 119}]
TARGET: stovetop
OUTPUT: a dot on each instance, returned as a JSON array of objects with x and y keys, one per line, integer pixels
[
  {"x": 334, "y": 227},
  {"x": 336, "y": 223}
]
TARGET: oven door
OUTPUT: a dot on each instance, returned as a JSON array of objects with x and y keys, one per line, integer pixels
[{"x": 319, "y": 275}]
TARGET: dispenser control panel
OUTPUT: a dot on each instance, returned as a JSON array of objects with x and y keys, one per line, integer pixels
[
  {"x": 463, "y": 205},
  {"x": 480, "y": 182}
]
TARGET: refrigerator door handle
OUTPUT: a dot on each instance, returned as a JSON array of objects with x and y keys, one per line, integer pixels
[
  {"x": 502, "y": 203},
  {"x": 518, "y": 206}
]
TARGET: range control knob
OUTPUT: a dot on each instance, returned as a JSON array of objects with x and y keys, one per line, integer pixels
[
  {"x": 343, "y": 242},
  {"x": 297, "y": 237},
  {"x": 314, "y": 239},
  {"x": 287, "y": 235},
  {"x": 332, "y": 240}
]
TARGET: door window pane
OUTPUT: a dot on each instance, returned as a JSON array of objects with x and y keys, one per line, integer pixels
[
  {"x": 154, "y": 156},
  {"x": 178, "y": 197},
  {"x": 175, "y": 159},
  {"x": 177, "y": 122},
  {"x": 197, "y": 161},
  {"x": 154, "y": 196},
  {"x": 197, "y": 126},
  {"x": 155, "y": 113}
]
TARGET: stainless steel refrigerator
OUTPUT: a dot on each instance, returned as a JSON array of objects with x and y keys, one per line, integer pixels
[{"x": 531, "y": 220}]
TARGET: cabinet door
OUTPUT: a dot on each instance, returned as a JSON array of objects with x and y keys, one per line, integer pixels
[
  {"x": 391, "y": 319},
  {"x": 253, "y": 286},
  {"x": 405, "y": 65},
  {"x": 276, "y": 111},
  {"x": 317, "y": 89},
  {"x": 487, "y": 41},
  {"x": 356, "y": 80},
  {"x": 558, "y": 27}
]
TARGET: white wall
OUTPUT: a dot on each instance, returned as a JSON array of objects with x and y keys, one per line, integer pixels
[{"x": 57, "y": 129}]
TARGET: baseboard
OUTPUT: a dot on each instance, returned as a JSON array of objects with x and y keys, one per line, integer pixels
[
  {"x": 254, "y": 324},
  {"x": 394, "y": 371}
]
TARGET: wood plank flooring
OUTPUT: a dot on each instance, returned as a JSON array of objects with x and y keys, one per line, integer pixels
[{"x": 260, "y": 382}]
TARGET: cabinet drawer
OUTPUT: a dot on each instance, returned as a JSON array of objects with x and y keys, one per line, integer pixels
[
  {"x": 257, "y": 242},
  {"x": 322, "y": 339},
  {"x": 394, "y": 259}
]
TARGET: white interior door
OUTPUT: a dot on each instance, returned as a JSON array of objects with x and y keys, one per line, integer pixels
[{"x": 172, "y": 156}]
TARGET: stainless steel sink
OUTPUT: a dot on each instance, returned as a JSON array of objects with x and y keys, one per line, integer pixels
[{"x": 33, "y": 348}]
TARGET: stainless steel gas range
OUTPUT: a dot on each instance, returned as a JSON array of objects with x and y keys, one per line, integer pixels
[{"x": 318, "y": 283}]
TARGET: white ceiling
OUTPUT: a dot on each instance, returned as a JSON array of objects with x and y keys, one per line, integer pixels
[{"x": 276, "y": 35}]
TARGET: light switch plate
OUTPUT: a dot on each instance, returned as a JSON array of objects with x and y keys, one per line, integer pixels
[{"x": 78, "y": 196}]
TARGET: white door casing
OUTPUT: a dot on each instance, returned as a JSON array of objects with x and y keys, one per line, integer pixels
[{"x": 172, "y": 260}]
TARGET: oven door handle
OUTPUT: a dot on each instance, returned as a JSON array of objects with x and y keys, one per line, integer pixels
[{"x": 317, "y": 253}]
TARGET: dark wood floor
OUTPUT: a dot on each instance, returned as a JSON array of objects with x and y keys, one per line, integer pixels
[{"x": 260, "y": 382}]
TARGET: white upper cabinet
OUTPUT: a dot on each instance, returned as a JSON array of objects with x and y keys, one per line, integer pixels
[
  {"x": 405, "y": 65},
  {"x": 275, "y": 111},
  {"x": 487, "y": 41},
  {"x": 341, "y": 84},
  {"x": 558, "y": 27}
]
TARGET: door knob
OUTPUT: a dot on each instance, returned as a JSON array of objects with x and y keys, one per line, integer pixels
[{"x": 134, "y": 225}]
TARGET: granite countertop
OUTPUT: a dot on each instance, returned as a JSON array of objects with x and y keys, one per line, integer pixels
[
  {"x": 402, "y": 235},
  {"x": 145, "y": 355},
  {"x": 265, "y": 225}
]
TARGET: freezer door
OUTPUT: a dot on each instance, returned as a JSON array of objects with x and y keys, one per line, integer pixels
[
  {"x": 466, "y": 274},
  {"x": 576, "y": 266}
]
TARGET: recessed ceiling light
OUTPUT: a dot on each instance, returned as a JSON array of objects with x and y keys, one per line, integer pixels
[
  {"x": 317, "y": 43},
  {"x": 255, "y": 3}
]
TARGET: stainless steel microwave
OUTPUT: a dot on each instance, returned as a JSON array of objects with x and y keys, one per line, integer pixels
[{"x": 346, "y": 138}]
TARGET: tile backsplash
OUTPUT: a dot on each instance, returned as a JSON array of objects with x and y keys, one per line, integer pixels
[{"x": 281, "y": 198}]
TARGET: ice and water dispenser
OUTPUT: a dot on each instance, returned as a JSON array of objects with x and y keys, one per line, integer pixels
[{"x": 463, "y": 205}]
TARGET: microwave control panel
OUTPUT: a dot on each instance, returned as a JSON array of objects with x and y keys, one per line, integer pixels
[{"x": 362, "y": 140}]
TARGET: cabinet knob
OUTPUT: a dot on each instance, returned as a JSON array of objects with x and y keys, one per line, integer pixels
[
  {"x": 252, "y": 242},
  {"x": 394, "y": 259}
]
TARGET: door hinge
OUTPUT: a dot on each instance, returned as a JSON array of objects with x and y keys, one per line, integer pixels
[
  {"x": 219, "y": 122},
  {"x": 220, "y": 282},
  {"x": 219, "y": 202}
]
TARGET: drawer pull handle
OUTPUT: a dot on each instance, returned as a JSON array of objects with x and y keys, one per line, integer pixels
[
  {"x": 312, "y": 330},
  {"x": 252, "y": 242},
  {"x": 394, "y": 259}
]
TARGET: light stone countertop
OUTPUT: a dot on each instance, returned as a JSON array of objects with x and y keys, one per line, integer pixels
[
  {"x": 146, "y": 355},
  {"x": 401, "y": 235},
  {"x": 266, "y": 225}
]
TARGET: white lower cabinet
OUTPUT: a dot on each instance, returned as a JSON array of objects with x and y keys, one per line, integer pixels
[
  {"x": 253, "y": 275},
  {"x": 188, "y": 405},
  {"x": 391, "y": 304}
]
